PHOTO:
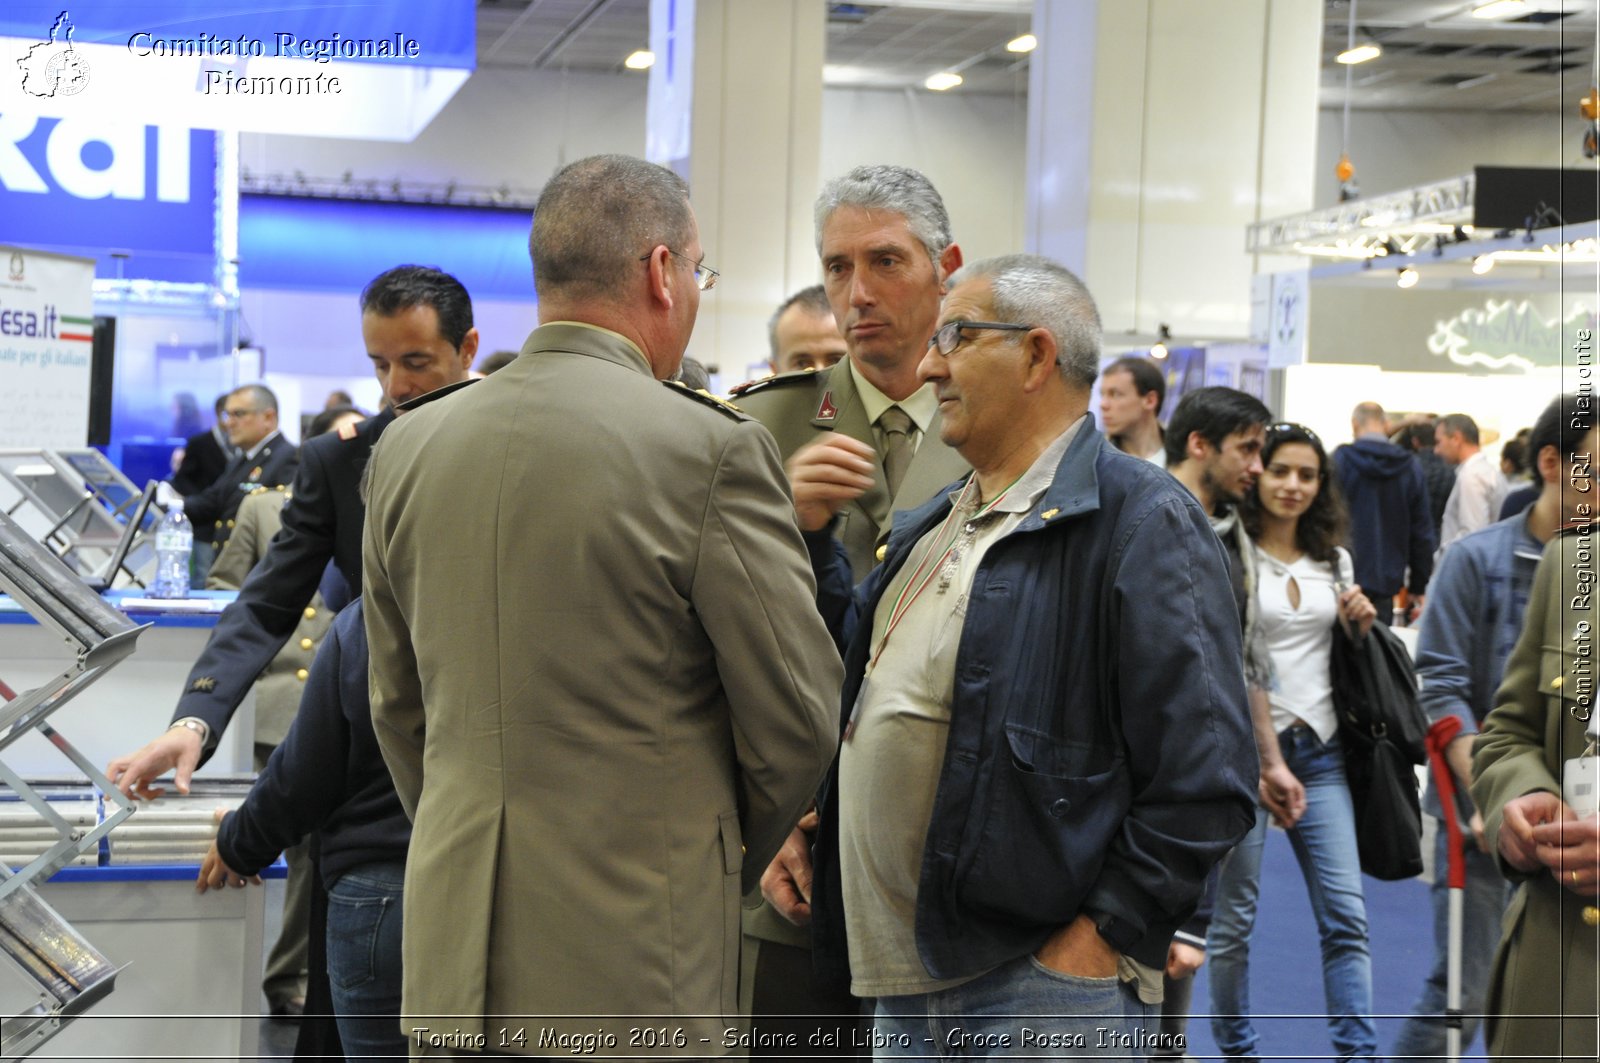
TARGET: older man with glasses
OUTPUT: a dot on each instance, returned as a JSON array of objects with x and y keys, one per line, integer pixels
[
  {"x": 1045, "y": 748},
  {"x": 266, "y": 459}
]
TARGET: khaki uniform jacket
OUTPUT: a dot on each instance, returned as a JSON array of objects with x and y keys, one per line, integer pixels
[
  {"x": 278, "y": 688},
  {"x": 1547, "y": 957},
  {"x": 601, "y": 684},
  {"x": 797, "y": 407}
]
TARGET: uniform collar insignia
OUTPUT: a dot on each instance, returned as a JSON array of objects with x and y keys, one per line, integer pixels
[{"x": 826, "y": 411}]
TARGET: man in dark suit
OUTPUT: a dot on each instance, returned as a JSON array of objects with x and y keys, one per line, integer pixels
[
  {"x": 205, "y": 455},
  {"x": 265, "y": 459},
  {"x": 417, "y": 324}
]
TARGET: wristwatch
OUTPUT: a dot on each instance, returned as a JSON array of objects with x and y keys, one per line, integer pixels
[
  {"x": 195, "y": 724},
  {"x": 1117, "y": 932}
]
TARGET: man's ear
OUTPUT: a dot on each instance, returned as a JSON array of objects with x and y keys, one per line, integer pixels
[
  {"x": 1151, "y": 401},
  {"x": 949, "y": 262},
  {"x": 1549, "y": 464},
  {"x": 659, "y": 275},
  {"x": 469, "y": 348},
  {"x": 1039, "y": 345},
  {"x": 1197, "y": 446}
]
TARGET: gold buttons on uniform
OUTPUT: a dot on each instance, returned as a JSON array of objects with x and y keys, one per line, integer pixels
[
  {"x": 1591, "y": 915},
  {"x": 1555, "y": 684},
  {"x": 301, "y": 675},
  {"x": 230, "y": 524},
  {"x": 882, "y": 550},
  {"x": 306, "y": 644},
  {"x": 219, "y": 524},
  {"x": 311, "y": 612}
]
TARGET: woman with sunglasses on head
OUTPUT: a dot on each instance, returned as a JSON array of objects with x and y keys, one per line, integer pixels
[{"x": 1295, "y": 520}]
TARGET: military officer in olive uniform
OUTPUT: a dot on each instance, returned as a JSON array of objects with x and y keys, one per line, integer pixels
[
  {"x": 601, "y": 731},
  {"x": 265, "y": 459},
  {"x": 884, "y": 238},
  {"x": 1542, "y": 990},
  {"x": 416, "y": 322}
]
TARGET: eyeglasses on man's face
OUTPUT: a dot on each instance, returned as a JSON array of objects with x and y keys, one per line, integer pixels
[
  {"x": 239, "y": 414},
  {"x": 949, "y": 336},
  {"x": 705, "y": 278}
]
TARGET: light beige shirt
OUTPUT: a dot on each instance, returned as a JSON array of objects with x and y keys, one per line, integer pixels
[
  {"x": 889, "y": 769},
  {"x": 920, "y": 405}
]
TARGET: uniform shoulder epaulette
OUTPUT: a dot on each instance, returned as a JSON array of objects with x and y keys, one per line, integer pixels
[
  {"x": 700, "y": 395},
  {"x": 767, "y": 383},
  {"x": 434, "y": 395},
  {"x": 262, "y": 490}
]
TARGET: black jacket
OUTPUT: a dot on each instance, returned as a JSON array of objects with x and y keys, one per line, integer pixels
[
  {"x": 327, "y": 775},
  {"x": 204, "y": 459},
  {"x": 321, "y": 522},
  {"x": 212, "y": 509}
]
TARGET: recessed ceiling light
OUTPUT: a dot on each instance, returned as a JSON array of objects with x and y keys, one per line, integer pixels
[
  {"x": 1482, "y": 264},
  {"x": 943, "y": 81},
  {"x": 1361, "y": 53},
  {"x": 640, "y": 60},
  {"x": 1499, "y": 9},
  {"x": 1025, "y": 43},
  {"x": 1408, "y": 277}
]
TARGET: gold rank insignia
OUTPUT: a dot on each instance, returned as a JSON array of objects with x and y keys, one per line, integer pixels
[
  {"x": 255, "y": 474},
  {"x": 205, "y": 684}
]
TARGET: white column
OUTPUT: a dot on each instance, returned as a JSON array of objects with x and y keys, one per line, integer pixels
[
  {"x": 737, "y": 109},
  {"x": 1157, "y": 131}
]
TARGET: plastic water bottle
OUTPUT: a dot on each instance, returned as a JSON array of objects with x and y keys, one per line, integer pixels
[{"x": 174, "y": 544}]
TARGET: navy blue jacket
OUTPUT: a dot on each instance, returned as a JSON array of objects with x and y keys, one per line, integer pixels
[
  {"x": 327, "y": 775},
  {"x": 1100, "y": 755},
  {"x": 1391, "y": 525}
]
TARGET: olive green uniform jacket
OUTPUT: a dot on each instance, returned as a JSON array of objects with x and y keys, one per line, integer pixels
[
  {"x": 601, "y": 684},
  {"x": 1547, "y": 956}
]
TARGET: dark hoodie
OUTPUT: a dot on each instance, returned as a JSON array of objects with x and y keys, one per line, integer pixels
[{"x": 1390, "y": 523}]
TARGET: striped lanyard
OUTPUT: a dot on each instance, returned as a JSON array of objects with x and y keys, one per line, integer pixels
[{"x": 950, "y": 533}]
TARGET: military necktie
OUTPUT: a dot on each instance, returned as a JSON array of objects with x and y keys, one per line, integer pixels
[{"x": 897, "y": 450}]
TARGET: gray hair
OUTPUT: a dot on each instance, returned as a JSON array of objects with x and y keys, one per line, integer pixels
[
  {"x": 812, "y": 300},
  {"x": 894, "y": 188},
  {"x": 597, "y": 216},
  {"x": 1033, "y": 290},
  {"x": 258, "y": 395}
]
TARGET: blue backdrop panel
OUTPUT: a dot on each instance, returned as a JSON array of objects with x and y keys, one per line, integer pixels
[
  {"x": 444, "y": 30},
  {"x": 166, "y": 241},
  {"x": 340, "y": 245}
]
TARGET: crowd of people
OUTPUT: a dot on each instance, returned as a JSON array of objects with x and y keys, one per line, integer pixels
[{"x": 890, "y": 708}]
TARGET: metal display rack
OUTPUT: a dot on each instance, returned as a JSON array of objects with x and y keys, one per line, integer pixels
[
  {"x": 70, "y": 973},
  {"x": 82, "y": 507}
]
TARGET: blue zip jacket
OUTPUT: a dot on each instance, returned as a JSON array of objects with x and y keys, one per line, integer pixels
[
  {"x": 1100, "y": 755},
  {"x": 1472, "y": 622}
]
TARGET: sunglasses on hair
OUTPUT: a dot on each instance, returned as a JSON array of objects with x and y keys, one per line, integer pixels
[{"x": 1289, "y": 428}]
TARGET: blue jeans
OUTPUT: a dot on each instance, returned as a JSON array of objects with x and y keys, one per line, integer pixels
[
  {"x": 1483, "y": 903},
  {"x": 1325, "y": 845},
  {"x": 364, "y": 915},
  {"x": 1020, "y": 1008}
]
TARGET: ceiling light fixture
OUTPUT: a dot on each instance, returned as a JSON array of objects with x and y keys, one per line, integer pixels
[
  {"x": 643, "y": 59},
  {"x": 1159, "y": 349},
  {"x": 943, "y": 81},
  {"x": 1482, "y": 264},
  {"x": 1499, "y": 9},
  {"x": 1025, "y": 43},
  {"x": 1408, "y": 277},
  {"x": 1361, "y": 53}
]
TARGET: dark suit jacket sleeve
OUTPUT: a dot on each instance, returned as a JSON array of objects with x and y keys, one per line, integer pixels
[
  {"x": 1423, "y": 542},
  {"x": 211, "y": 503},
  {"x": 305, "y": 779},
  {"x": 778, "y": 666},
  {"x": 254, "y": 628}
]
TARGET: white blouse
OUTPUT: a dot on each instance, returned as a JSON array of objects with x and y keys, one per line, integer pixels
[{"x": 1300, "y": 640}]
